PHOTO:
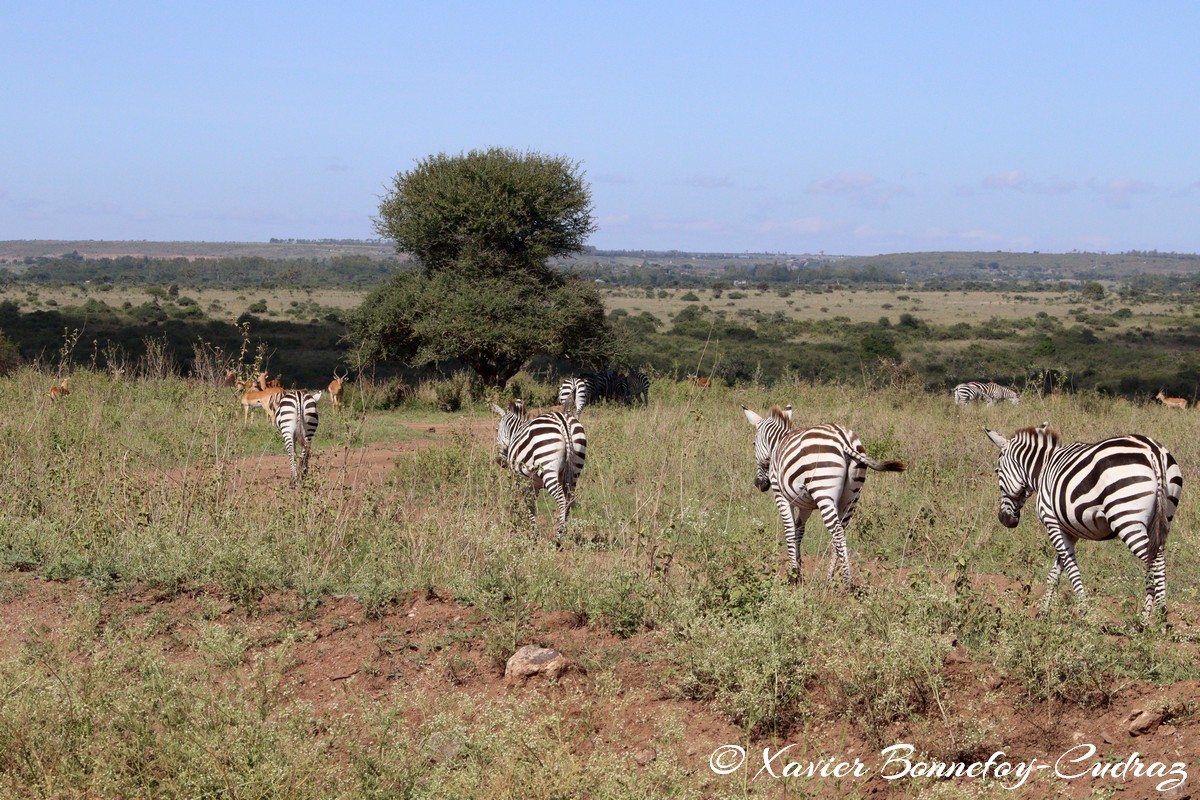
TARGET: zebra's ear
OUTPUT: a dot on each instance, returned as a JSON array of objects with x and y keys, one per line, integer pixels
[
  {"x": 1043, "y": 426},
  {"x": 755, "y": 419},
  {"x": 787, "y": 411},
  {"x": 316, "y": 396},
  {"x": 497, "y": 410},
  {"x": 996, "y": 438}
]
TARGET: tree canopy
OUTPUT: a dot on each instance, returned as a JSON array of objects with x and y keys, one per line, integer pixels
[{"x": 481, "y": 228}]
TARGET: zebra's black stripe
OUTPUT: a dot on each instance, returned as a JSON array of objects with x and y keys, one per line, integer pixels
[
  {"x": 1127, "y": 487},
  {"x": 989, "y": 393},
  {"x": 821, "y": 468},
  {"x": 548, "y": 450},
  {"x": 295, "y": 414}
]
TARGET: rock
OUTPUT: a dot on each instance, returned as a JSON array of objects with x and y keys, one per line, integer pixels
[
  {"x": 995, "y": 682},
  {"x": 1108, "y": 739},
  {"x": 645, "y": 756},
  {"x": 1166, "y": 730},
  {"x": 532, "y": 660},
  {"x": 1078, "y": 736},
  {"x": 1143, "y": 722}
]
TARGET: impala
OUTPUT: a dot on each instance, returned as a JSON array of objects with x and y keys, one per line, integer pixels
[
  {"x": 335, "y": 389},
  {"x": 60, "y": 391},
  {"x": 257, "y": 398},
  {"x": 1170, "y": 402}
]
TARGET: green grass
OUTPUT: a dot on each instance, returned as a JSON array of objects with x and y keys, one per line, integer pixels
[{"x": 669, "y": 538}]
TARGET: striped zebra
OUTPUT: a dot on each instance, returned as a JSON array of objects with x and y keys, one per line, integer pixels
[
  {"x": 574, "y": 394},
  {"x": 820, "y": 468},
  {"x": 989, "y": 393},
  {"x": 1126, "y": 487},
  {"x": 295, "y": 414},
  {"x": 638, "y": 387},
  {"x": 548, "y": 450}
]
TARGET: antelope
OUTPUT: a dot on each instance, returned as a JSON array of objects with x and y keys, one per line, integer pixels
[
  {"x": 263, "y": 383},
  {"x": 703, "y": 383},
  {"x": 230, "y": 378},
  {"x": 257, "y": 398},
  {"x": 60, "y": 391},
  {"x": 335, "y": 389},
  {"x": 1170, "y": 402}
]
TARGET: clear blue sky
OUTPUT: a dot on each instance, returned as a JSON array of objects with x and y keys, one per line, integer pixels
[{"x": 844, "y": 127}]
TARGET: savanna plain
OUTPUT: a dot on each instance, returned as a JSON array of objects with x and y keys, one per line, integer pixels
[{"x": 177, "y": 622}]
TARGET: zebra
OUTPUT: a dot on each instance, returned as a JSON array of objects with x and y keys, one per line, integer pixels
[
  {"x": 822, "y": 468},
  {"x": 548, "y": 450},
  {"x": 989, "y": 393},
  {"x": 639, "y": 387},
  {"x": 1126, "y": 487},
  {"x": 295, "y": 414},
  {"x": 575, "y": 393}
]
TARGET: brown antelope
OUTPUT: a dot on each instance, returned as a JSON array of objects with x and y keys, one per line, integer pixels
[
  {"x": 1170, "y": 402},
  {"x": 263, "y": 383},
  {"x": 60, "y": 391},
  {"x": 257, "y": 398},
  {"x": 335, "y": 389},
  {"x": 703, "y": 383}
]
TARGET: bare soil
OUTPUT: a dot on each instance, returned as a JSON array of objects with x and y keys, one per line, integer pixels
[{"x": 430, "y": 646}]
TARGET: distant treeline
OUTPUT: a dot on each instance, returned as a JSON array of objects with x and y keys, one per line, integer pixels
[
  {"x": 1151, "y": 272},
  {"x": 355, "y": 271}
]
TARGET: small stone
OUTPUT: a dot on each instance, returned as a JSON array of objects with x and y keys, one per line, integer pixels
[
  {"x": 645, "y": 756},
  {"x": 1143, "y": 722},
  {"x": 532, "y": 660},
  {"x": 1166, "y": 730},
  {"x": 995, "y": 682},
  {"x": 1078, "y": 736}
]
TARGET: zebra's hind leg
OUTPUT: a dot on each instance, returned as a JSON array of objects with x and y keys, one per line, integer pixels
[
  {"x": 841, "y": 553},
  {"x": 556, "y": 490},
  {"x": 1156, "y": 589}
]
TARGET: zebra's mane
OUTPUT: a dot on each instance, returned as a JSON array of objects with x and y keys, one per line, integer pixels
[
  {"x": 781, "y": 415},
  {"x": 1042, "y": 429}
]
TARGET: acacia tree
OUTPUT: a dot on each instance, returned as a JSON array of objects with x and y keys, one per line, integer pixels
[{"x": 481, "y": 229}]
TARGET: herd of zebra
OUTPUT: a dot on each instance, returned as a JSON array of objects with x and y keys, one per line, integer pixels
[
  {"x": 1125, "y": 487},
  {"x": 594, "y": 387}
]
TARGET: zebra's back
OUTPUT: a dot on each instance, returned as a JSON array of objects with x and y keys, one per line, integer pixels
[
  {"x": 295, "y": 415},
  {"x": 1098, "y": 491}
]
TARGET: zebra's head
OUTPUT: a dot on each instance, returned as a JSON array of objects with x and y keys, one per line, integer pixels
[
  {"x": 511, "y": 421},
  {"x": 1020, "y": 466},
  {"x": 768, "y": 432}
]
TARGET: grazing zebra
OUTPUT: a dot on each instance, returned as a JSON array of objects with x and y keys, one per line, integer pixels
[
  {"x": 990, "y": 393},
  {"x": 575, "y": 393},
  {"x": 639, "y": 387},
  {"x": 1126, "y": 487},
  {"x": 548, "y": 450},
  {"x": 819, "y": 468},
  {"x": 295, "y": 414}
]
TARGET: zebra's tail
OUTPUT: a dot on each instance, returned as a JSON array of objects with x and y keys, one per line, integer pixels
[
  {"x": 878, "y": 466},
  {"x": 1157, "y": 533}
]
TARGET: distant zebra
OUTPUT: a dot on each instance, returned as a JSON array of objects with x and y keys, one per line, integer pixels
[
  {"x": 639, "y": 387},
  {"x": 819, "y": 468},
  {"x": 295, "y": 414},
  {"x": 548, "y": 450},
  {"x": 1126, "y": 487},
  {"x": 990, "y": 393},
  {"x": 575, "y": 393}
]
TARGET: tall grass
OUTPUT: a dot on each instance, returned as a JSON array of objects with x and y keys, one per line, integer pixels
[{"x": 140, "y": 480}]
